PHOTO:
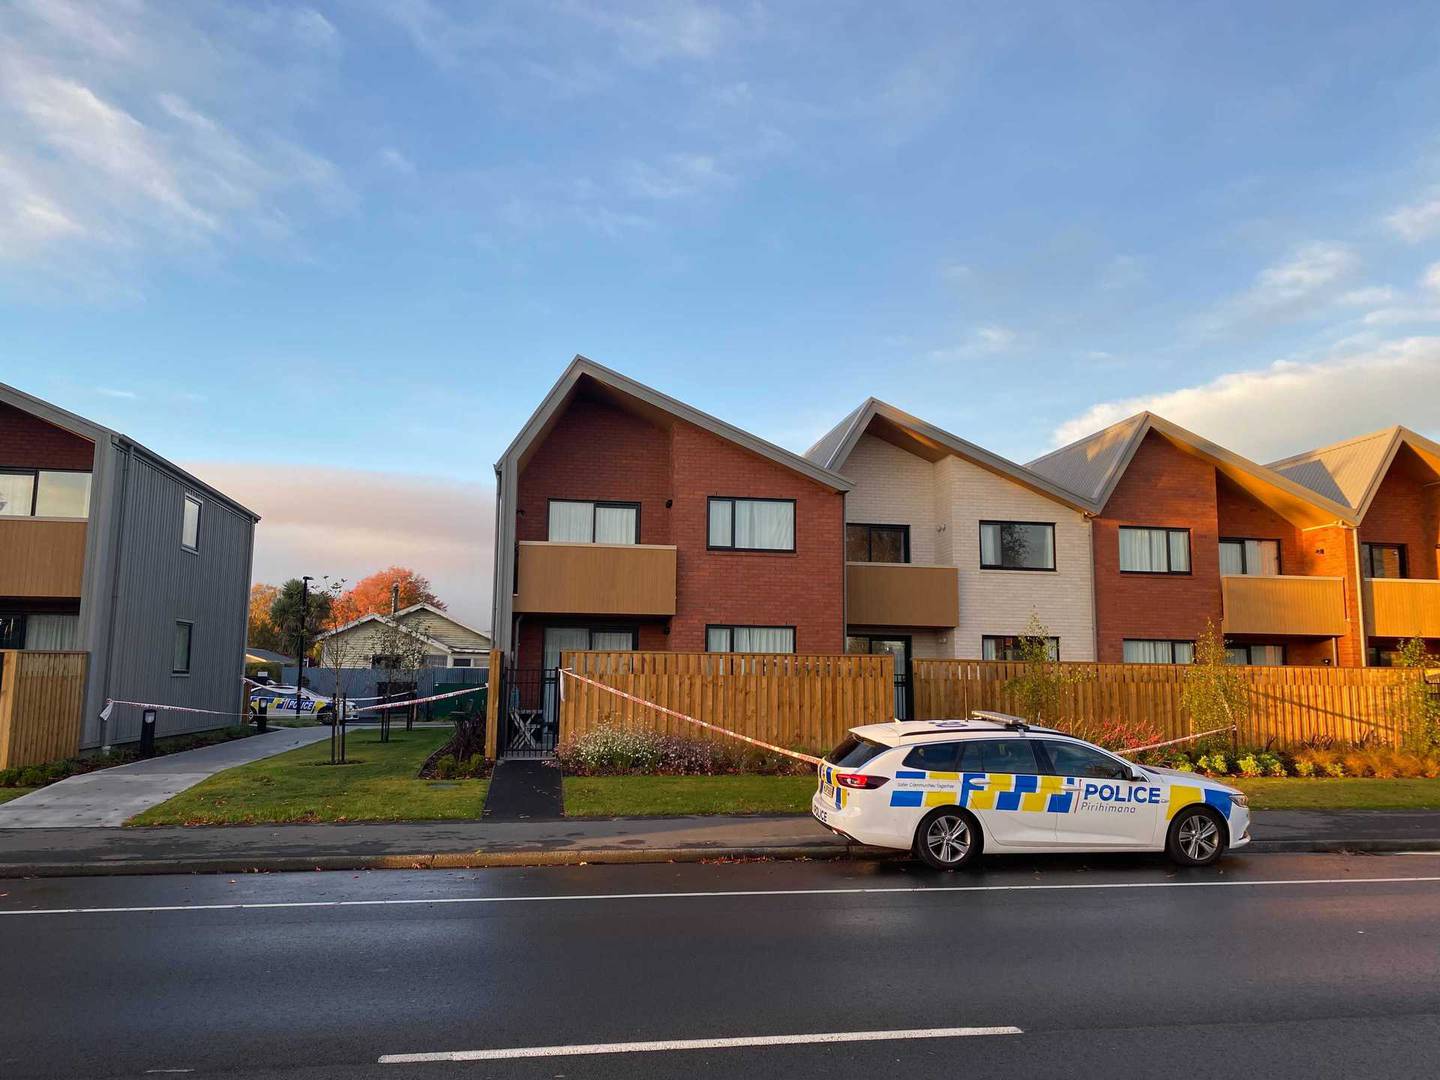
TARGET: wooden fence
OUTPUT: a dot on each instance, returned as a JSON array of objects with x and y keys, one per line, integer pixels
[
  {"x": 1288, "y": 705},
  {"x": 42, "y": 696},
  {"x": 806, "y": 702}
]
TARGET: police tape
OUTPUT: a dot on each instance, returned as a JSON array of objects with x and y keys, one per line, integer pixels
[
  {"x": 420, "y": 701},
  {"x": 1172, "y": 742},
  {"x": 688, "y": 719},
  {"x": 110, "y": 704}
]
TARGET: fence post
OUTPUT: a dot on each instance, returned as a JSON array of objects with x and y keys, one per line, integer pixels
[{"x": 492, "y": 704}]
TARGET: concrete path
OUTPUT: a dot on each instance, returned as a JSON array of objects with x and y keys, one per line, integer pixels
[{"x": 107, "y": 798}]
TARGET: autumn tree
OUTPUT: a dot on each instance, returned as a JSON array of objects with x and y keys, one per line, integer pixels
[
  {"x": 372, "y": 595},
  {"x": 1040, "y": 687},
  {"x": 262, "y": 633},
  {"x": 1216, "y": 693}
]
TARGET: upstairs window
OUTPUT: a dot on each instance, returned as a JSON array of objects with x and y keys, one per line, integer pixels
[
  {"x": 1154, "y": 551},
  {"x": 190, "y": 524},
  {"x": 877, "y": 543},
  {"x": 574, "y": 522},
  {"x": 1017, "y": 545},
  {"x": 1254, "y": 557},
  {"x": 752, "y": 524},
  {"x": 44, "y": 493},
  {"x": 1383, "y": 560}
]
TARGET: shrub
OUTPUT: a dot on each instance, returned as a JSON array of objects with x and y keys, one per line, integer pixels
[
  {"x": 1305, "y": 768},
  {"x": 1359, "y": 763},
  {"x": 1216, "y": 763},
  {"x": 1249, "y": 765},
  {"x": 1120, "y": 733},
  {"x": 1335, "y": 768},
  {"x": 608, "y": 751},
  {"x": 1271, "y": 764}
]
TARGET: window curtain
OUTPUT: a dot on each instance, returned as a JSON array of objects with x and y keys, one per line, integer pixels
[
  {"x": 717, "y": 639},
  {"x": 764, "y": 639},
  {"x": 769, "y": 525},
  {"x": 1269, "y": 655},
  {"x": 1142, "y": 549},
  {"x": 1184, "y": 652},
  {"x": 990, "y": 649},
  {"x": 1237, "y": 654},
  {"x": 572, "y": 522},
  {"x": 63, "y": 494},
  {"x": 1047, "y": 545},
  {"x": 1262, "y": 556},
  {"x": 1148, "y": 652},
  {"x": 612, "y": 640},
  {"x": 17, "y": 491},
  {"x": 1232, "y": 558},
  {"x": 990, "y": 549},
  {"x": 722, "y": 531},
  {"x": 563, "y": 639},
  {"x": 615, "y": 525},
  {"x": 53, "y": 633}
]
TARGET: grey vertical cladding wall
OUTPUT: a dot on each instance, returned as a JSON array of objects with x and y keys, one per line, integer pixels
[{"x": 159, "y": 582}]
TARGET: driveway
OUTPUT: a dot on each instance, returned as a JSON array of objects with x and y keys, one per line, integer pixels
[{"x": 107, "y": 798}]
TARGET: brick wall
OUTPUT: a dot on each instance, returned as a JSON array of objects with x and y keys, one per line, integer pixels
[
  {"x": 1162, "y": 487},
  {"x": 1404, "y": 511},
  {"x": 27, "y": 442},
  {"x": 1243, "y": 516}
]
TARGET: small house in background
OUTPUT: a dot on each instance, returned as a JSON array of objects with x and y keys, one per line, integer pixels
[{"x": 449, "y": 642}]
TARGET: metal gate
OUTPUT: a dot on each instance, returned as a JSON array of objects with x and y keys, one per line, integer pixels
[
  {"x": 529, "y": 713},
  {"x": 904, "y": 704}
]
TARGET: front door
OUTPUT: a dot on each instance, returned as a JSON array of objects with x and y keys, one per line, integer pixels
[
  {"x": 1106, "y": 809},
  {"x": 899, "y": 648}
]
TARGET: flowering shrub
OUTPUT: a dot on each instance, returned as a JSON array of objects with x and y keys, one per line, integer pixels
[
  {"x": 611, "y": 751},
  {"x": 1119, "y": 734}
]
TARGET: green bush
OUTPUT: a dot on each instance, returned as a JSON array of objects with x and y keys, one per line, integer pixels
[{"x": 1249, "y": 765}]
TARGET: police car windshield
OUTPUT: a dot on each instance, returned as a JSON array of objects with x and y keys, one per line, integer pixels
[{"x": 854, "y": 752}]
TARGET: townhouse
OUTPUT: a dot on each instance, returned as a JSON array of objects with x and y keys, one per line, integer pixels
[{"x": 109, "y": 550}]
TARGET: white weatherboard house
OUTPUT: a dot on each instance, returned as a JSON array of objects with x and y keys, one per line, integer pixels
[
  {"x": 450, "y": 643},
  {"x": 950, "y": 548}
]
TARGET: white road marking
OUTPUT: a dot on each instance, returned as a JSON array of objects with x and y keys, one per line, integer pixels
[
  {"x": 509, "y": 1053},
  {"x": 270, "y": 905}
]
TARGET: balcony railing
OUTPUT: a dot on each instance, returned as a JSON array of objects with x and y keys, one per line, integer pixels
[
  {"x": 41, "y": 558},
  {"x": 1402, "y": 608},
  {"x": 901, "y": 594},
  {"x": 595, "y": 579},
  {"x": 1284, "y": 605}
]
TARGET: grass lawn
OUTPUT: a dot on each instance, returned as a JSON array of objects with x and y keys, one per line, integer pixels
[
  {"x": 8, "y": 793},
  {"x": 377, "y": 785},
  {"x": 626, "y": 796},
  {"x": 1351, "y": 793}
]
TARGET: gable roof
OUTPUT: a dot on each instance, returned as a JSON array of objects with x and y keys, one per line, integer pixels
[
  {"x": 396, "y": 620},
  {"x": 582, "y": 369},
  {"x": 836, "y": 446},
  {"x": 1351, "y": 471},
  {"x": 1094, "y": 465}
]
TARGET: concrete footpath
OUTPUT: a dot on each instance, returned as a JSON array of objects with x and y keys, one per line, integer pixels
[
  {"x": 107, "y": 798},
  {"x": 454, "y": 844}
]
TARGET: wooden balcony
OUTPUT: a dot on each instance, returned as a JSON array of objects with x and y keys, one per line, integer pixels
[
  {"x": 1282, "y": 605},
  {"x": 1402, "y": 608},
  {"x": 595, "y": 579},
  {"x": 42, "y": 558},
  {"x": 901, "y": 594}
]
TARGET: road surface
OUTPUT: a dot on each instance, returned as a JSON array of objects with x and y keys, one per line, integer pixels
[{"x": 1274, "y": 966}]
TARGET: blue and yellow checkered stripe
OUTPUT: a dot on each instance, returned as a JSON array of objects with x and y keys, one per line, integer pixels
[{"x": 992, "y": 791}]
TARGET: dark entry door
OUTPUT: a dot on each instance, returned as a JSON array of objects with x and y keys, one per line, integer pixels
[{"x": 897, "y": 646}]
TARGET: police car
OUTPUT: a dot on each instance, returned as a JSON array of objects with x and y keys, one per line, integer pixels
[
  {"x": 949, "y": 789},
  {"x": 282, "y": 703}
]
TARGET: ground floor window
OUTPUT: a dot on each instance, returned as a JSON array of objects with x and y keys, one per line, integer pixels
[
  {"x": 562, "y": 639},
  {"x": 1147, "y": 651},
  {"x": 184, "y": 633},
  {"x": 1256, "y": 655},
  {"x": 43, "y": 631},
  {"x": 750, "y": 639},
  {"x": 1008, "y": 647}
]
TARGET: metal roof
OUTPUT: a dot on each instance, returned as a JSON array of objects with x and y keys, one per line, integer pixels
[{"x": 1352, "y": 470}]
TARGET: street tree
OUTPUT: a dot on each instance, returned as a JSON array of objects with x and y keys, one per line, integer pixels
[
  {"x": 401, "y": 653},
  {"x": 1216, "y": 693},
  {"x": 261, "y": 631},
  {"x": 337, "y": 653},
  {"x": 1039, "y": 689},
  {"x": 1418, "y": 705},
  {"x": 297, "y": 631}
]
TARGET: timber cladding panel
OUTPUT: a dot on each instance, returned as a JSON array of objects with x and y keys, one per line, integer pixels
[
  {"x": 601, "y": 579},
  {"x": 797, "y": 701},
  {"x": 902, "y": 594},
  {"x": 1402, "y": 608},
  {"x": 1289, "y": 706},
  {"x": 41, "y": 558},
  {"x": 41, "y": 698},
  {"x": 1281, "y": 606}
]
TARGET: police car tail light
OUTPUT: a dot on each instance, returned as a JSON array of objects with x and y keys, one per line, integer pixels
[{"x": 860, "y": 780}]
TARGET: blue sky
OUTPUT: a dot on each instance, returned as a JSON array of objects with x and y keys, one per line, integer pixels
[{"x": 398, "y": 220}]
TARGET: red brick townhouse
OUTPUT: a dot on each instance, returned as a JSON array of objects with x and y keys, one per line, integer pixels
[
  {"x": 1186, "y": 531},
  {"x": 628, "y": 520}
]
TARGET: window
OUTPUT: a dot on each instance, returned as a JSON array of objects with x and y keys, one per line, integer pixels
[
  {"x": 190, "y": 524},
  {"x": 1383, "y": 560},
  {"x": 854, "y": 752},
  {"x": 52, "y": 633},
  {"x": 12, "y": 631},
  {"x": 934, "y": 757},
  {"x": 1256, "y": 655},
  {"x": 558, "y": 640},
  {"x": 877, "y": 543},
  {"x": 1007, "y": 647},
  {"x": 1249, "y": 556},
  {"x": 751, "y": 639},
  {"x": 460, "y": 661},
  {"x": 184, "y": 631},
  {"x": 594, "y": 522},
  {"x": 44, "y": 493},
  {"x": 1001, "y": 755},
  {"x": 1073, "y": 759},
  {"x": 1017, "y": 545},
  {"x": 1154, "y": 551},
  {"x": 1376, "y": 655},
  {"x": 752, "y": 524},
  {"x": 1159, "y": 652}
]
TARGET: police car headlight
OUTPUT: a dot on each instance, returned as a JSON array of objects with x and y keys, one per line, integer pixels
[{"x": 1240, "y": 800}]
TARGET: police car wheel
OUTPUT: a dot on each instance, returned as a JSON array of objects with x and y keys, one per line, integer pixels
[
  {"x": 1197, "y": 837},
  {"x": 948, "y": 839}
]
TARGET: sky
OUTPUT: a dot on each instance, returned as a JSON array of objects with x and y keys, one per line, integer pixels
[{"x": 330, "y": 256}]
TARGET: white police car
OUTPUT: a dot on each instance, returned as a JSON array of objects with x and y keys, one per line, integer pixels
[
  {"x": 283, "y": 703},
  {"x": 949, "y": 789}
]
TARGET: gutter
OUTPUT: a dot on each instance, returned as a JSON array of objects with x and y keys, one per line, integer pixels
[
  {"x": 116, "y": 558},
  {"x": 1360, "y": 598}
]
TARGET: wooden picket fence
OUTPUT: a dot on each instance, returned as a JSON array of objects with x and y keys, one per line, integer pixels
[
  {"x": 806, "y": 702},
  {"x": 1289, "y": 706},
  {"x": 42, "y": 696}
]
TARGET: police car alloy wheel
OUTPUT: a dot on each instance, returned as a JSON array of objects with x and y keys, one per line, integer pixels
[
  {"x": 1196, "y": 837},
  {"x": 948, "y": 839}
]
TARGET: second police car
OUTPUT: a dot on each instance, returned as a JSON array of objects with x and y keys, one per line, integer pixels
[{"x": 949, "y": 789}]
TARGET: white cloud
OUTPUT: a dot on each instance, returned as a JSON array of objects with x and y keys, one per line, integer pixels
[
  {"x": 673, "y": 176},
  {"x": 1416, "y": 222},
  {"x": 982, "y": 341},
  {"x": 348, "y": 523},
  {"x": 393, "y": 159},
  {"x": 663, "y": 29},
  {"x": 1310, "y": 270},
  {"x": 1431, "y": 280},
  {"x": 1370, "y": 294},
  {"x": 1292, "y": 406}
]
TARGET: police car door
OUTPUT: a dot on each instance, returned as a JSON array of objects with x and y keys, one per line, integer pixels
[
  {"x": 1000, "y": 783},
  {"x": 1105, "y": 808}
]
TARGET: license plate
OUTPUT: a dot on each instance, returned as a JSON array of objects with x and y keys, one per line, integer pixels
[{"x": 827, "y": 792}]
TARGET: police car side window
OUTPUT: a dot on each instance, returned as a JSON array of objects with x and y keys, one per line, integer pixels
[
  {"x": 934, "y": 757},
  {"x": 1072, "y": 759},
  {"x": 1006, "y": 756}
]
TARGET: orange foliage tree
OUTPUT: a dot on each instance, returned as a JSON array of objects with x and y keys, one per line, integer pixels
[
  {"x": 262, "y": 632},
  {"x": 371, "y": 595}
]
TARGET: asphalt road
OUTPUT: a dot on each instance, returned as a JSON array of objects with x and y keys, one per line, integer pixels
[{"x": 1274, "y": 965}]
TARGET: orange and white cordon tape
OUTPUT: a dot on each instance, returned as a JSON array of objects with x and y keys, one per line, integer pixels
[
  {"x": 419, "y": 701},
  {"x": 1172, "y": 742},
  {"x": 689, "y": 719}
]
